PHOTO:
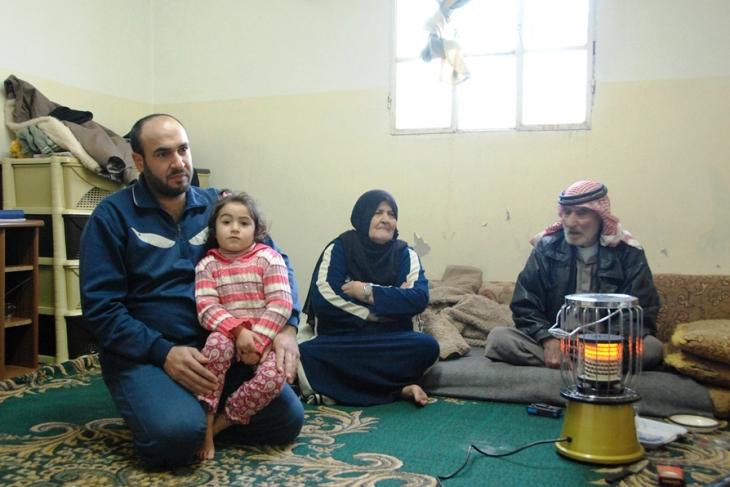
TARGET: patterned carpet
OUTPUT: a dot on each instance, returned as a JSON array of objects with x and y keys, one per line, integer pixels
[{"x": 81, "y": 442}]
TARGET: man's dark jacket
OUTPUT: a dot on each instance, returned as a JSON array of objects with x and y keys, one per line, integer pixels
[{"x": 549, "y": 275}]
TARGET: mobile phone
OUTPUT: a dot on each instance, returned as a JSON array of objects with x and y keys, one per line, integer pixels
[
  {"x": 542, "y": 409},
  {"x": 670, "y": 475}
]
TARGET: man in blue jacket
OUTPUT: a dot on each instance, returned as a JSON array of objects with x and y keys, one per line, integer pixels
[{"x": 138, "y": 255}]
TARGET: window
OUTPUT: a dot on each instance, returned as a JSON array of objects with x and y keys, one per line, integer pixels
[{"x": 529, "y": 63}]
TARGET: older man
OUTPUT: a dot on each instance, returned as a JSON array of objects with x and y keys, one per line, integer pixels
[
  {"x": 586, "y": 251},
  {"x": 138, "y": 256}
]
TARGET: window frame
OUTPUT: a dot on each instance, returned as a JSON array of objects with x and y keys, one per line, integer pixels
[{"x": 519, "y": 56}]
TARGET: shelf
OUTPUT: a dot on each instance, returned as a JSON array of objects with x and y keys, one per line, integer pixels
[
  {"x": 17, "y": 321},
  {"x": 51, "y": 311},
  {"x": 52, "y": 184},
  {"x": 20, "y": 224},
  {"x": 62, "y": 193},
  {"x": 19, "y": 285},
  {"x": 18, "y": 268},
  {"x": 47, "y": 359},
  {"x": 69, "y": 283},
  {"x": 15, "y": 371}
]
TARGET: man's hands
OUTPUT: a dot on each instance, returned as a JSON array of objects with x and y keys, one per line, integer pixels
[
  {"x": 287, "y": 352},
  {"x": 186, "y": 366},
  {"x": 551, "y": 347}
]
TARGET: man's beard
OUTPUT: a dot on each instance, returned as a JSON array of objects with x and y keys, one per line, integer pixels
[{"x": 161, "y": 187}]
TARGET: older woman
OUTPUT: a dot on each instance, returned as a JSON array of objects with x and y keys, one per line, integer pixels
[{"x": 365, "y": 290}]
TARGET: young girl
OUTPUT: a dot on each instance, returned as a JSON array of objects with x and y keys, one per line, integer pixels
[{"x": 243, "y": 297}]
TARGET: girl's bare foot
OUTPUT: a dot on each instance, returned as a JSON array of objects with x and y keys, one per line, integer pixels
[
  {"x": 221, "y": 423},
  {"x": 208, "y": 450},
  {"x": 215, "y": 424},
  {"x": 415, "y": 394}
]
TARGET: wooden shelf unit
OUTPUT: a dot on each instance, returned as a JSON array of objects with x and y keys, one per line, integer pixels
[
  {"x": 19, "y": 285},
  {"x": 56, "y": 188}
]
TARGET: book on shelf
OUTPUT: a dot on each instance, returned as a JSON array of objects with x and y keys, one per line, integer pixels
[
  {"x": 8, "y": 216},
  {"x": 60, "y": 153}
]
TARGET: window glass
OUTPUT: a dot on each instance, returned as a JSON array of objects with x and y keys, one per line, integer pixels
[
  {"x": 422, "y": 101},
  {"x": 486, "y": 27},
  {"x": 554, "y": 88},
  {"x": 529, "y": 65},
  {"x": 488, "y": 100}
]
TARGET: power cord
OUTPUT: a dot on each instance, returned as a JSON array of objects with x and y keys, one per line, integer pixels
[{"x": 494, "y": 453}]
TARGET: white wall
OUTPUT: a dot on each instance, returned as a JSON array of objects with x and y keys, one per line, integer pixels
[
  {"x": 100, "y": 46},
  {"x": 660, "y": 39},
  {"x": 288, "y": 99},
  {"x": 229, "y": 49},
  {"x": 87, "y": 54}
]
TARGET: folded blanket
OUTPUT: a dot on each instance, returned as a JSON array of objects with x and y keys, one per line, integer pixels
[
  {"x": 443, "y": 295},
  {"x": 700, "y": 369},
  {"x": 451, "y": 343},
  {"x": 457, "y": 316},
  {"x": 56, "y": 131},
  {"x": 474, "y": 316},
  {"x": 97, "y": 148},
  {"x": 709, "y": 339},
  {"x": 466, "y": 278},
  {"x": 35, "y": 141},
  {"x": 476, "y": 377}
]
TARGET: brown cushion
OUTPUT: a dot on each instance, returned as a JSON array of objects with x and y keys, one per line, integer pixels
[
  {"x": 720, "y": 401},
  {"x": 708, "y": 339},
  {"x": 687, "y": 297},
  {"x": 700, "y": 369}
]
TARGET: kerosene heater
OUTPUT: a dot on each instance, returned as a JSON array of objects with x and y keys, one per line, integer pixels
[{"x": 601, "y": 340}]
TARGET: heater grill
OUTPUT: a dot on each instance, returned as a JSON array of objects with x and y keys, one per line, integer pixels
[{"x": 601, "y": 343}]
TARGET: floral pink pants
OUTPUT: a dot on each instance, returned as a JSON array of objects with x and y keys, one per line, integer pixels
[{"x": 254, "y": 394}]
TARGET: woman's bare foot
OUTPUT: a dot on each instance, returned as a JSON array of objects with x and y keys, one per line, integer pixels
[{"x": 415, "y": 394}]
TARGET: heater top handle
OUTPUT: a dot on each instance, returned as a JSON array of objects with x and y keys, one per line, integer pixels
[
  {"x": 613, "y": 302},
  {"x": 601, "y": 300},
  {"x": 558, "y": 332}
]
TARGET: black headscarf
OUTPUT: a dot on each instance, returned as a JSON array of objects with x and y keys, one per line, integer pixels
[{"x": 366, "y": 260}]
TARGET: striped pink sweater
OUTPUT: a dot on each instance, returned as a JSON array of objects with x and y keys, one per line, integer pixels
[{"x": 251, "y": 290}]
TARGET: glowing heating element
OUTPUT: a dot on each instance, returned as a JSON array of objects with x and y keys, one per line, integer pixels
[{"x": 602, "y": 357}]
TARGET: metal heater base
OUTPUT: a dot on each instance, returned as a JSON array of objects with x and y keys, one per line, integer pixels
[{"x": 600, "y": 433}]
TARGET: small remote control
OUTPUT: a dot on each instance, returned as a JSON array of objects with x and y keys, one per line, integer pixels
[{"x": 542, "y": 409}]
